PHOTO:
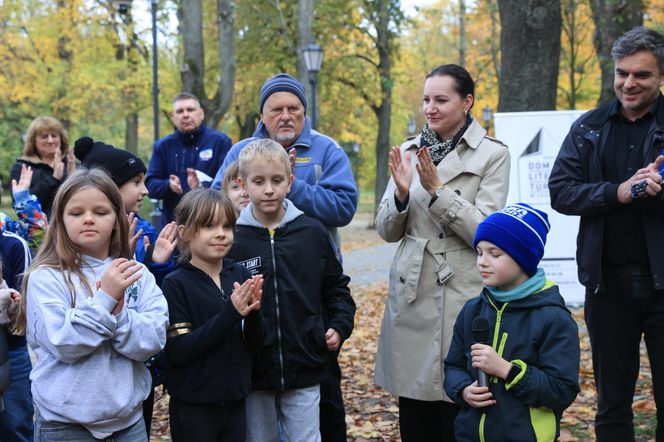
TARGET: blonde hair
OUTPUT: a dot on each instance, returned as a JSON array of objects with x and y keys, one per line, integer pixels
[
  {"x": 231, "y": 174},
  {"x": 265, "y": 150},
  {"x": 199, "y": 208},
  {"x": 58, "y": 251},
  {"x": 40, "y": 125}
]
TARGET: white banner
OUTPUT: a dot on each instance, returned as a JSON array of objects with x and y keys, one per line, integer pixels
[{"x": 534, "y": 139}]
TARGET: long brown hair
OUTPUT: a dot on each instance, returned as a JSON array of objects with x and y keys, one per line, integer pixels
[{"x": 58, "y": 251}]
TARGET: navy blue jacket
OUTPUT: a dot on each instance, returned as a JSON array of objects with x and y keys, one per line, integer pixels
[
  {"x": 578, "y": 187},
  {"x": 207, "y": 351},
  {"x": 204, "y": 150},
  {"x": 537, "y": 333},
  {"x": 15, "y": 255},
  {"x": 304, "y": 293},
  {"x": 143, "y": 255}
]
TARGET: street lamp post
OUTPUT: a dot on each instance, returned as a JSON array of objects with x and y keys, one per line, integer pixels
[
  {"x": 487, "y": 114},
  {"x": 123, "y": 7},
  {"x": 155, "y": 72},
  {"x": 313, "y": 58}
]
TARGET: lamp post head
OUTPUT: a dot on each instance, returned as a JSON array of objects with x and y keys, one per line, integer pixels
[
  {"x": 487, "y": 114},
  {"x": 123, "y": 6},
  {"x": 313, "y": 57},
  {"x": 412, "y": 126}
]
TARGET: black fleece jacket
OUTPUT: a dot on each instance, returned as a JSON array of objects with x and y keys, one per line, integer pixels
[
  {"x": 304, "y": 293},
  {"x": 207, "y": 351}
]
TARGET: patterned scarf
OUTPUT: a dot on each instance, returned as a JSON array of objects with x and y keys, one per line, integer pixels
[{"x": 438, "y": 147}]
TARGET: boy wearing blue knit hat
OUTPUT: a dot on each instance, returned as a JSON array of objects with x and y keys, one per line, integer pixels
[{"x": 531, "y": 351}]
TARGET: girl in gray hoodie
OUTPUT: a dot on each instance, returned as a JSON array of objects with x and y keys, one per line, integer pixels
[{"x": 92, "y": 316}]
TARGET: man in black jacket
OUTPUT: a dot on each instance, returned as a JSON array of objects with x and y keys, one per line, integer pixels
[{"x": 607, "y": 172}]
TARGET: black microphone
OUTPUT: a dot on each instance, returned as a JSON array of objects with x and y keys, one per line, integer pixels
[{"x": 481, "y": 336}]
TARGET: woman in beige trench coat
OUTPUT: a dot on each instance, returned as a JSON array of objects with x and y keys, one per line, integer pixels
[{"x": 444, "y": 183}]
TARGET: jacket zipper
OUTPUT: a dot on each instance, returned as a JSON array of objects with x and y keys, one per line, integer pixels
[
  {"x": 494, "y": 344},
  {"x": 276, "y": 300}
]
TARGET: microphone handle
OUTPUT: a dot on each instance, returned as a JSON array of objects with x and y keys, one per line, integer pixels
[{"x": 482, "y": 379}]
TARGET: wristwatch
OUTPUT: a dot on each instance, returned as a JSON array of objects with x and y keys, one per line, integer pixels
[
  {"x": 436, "y": 193},
  {"x": 514, "y": 372}
]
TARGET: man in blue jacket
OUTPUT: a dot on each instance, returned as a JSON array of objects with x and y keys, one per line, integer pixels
[
  {"x": 178, "y": 158},
  {"x": 607, "y": 172},
  {"x": 323, "y": 188}
]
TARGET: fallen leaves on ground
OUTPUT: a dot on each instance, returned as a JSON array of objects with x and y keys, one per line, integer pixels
[
  {"x": 372, "y": 413},
  {"x": 359, "y": 236}
]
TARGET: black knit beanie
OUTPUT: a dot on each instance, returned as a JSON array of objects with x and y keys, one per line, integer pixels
[{"x": 120, "y": 164}]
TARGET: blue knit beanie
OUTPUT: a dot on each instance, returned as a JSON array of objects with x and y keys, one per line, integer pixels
[
  {"x": 520, "y": 231},
  {"x": 282, "y": 83}
]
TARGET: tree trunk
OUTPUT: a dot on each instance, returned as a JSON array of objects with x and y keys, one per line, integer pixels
[
  {"x": 192, "y": 72},
  {"x": 131, "y": 133},
  {"x": 65, "y": 55},
  {"x": 226, "y": 32},
  {"x": 305, "y": 22},
  {"x": 462, "y": 32},
  {"x": 495, "y": 50},
  {"x": 247, "y": 124},
  {"x": 530, "y": 54},
  {"x": 612, "y": 19},
  {"x": 385, "y": 40}
]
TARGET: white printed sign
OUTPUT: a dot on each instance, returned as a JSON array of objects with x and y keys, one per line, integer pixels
[{"x": 534, "y": 139}]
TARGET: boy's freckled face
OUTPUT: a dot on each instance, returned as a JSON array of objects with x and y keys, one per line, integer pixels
[
  {"x": 267, "y": 185},
  {"x": 497, "y": 268},
  {"x": 133, "y": 192}
]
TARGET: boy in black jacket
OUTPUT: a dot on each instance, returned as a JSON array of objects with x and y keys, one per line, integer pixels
[{"x": 307, "y": 306}]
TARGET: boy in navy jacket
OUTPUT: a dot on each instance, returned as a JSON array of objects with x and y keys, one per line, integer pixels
[
  {"x": 531, "y": 357},
  {"x": 306, "y": 305}
]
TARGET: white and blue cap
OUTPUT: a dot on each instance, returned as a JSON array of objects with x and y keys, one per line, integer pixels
[{"x": 518, "y": 229}]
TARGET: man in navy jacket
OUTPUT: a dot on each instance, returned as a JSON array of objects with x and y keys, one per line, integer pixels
[{"x": 177, "y": 158}]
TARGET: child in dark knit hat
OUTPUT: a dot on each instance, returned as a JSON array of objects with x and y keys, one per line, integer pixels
[
  {"x": 128, "y": 172},
  {"x": 529, "y": 349}
]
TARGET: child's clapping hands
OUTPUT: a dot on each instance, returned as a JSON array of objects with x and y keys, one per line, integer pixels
[{"x": 247, "y": 297}]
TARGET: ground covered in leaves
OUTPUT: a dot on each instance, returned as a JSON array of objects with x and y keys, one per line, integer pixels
[{"x": 372, "y": 413}]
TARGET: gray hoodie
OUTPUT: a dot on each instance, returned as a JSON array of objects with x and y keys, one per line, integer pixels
[
  {"x": 247, "y": 215},
  {"x": 90, "y": 364}
]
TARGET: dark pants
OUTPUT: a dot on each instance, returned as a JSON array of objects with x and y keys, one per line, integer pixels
[
  {"x": 148, "y": 410},
  {"x": 426, "y": 421},
  {"x": 616, "y": 317},
  {"x": 332, "y": 411},
  {"x": 16, "y": 421},
  {"x": 195, "y": 423}
]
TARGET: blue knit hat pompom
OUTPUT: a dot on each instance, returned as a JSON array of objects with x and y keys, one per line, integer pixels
[
  {"x": 282, "y": 83},
  {"x": 518, "y": 229}
]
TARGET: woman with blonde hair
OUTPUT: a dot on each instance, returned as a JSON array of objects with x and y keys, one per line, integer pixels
[{"x": 47, "y": 152}]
